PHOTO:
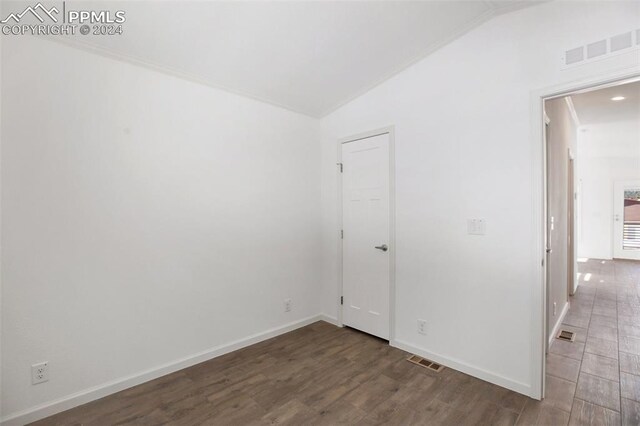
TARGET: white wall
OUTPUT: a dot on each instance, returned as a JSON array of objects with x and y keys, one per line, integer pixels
[
  {"x": 175, "y": 214},
  {"x": 145, "y": 219},
  {"x": 462, "y": 121},
  {"x": 1, "y": 351},
  {"x": 562, "y": 139},
  {"x": 608, "y": 152}
]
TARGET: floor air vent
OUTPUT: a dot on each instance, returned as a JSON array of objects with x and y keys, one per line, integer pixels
[
  {"x": 569, "y": 336},
  {"x": 426, "y": 363}
]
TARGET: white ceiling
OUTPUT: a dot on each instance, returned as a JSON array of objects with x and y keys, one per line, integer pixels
[
  {"x": 309, "y": 57},
  {"x": 596, "y": 107}
]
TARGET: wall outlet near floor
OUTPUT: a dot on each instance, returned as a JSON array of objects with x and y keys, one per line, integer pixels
[
  {"x": 39, "y": 373},
  {"x": 555, "y": 308},
  {"x": 287, "y": 305},
  {"x": 422, "y": 326}
]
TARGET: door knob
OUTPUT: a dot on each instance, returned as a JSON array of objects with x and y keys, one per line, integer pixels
[{"x": 383, "y": 247}]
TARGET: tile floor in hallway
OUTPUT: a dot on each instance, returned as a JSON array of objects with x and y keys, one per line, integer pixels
[{"x": 596, "y": 379}]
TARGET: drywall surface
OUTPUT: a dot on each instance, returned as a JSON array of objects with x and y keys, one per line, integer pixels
[
  {"x": 145, "y": 219},
  {"x": 608, "y": 152},
  {"x": 1, "y": 94},
  {"x": 562, "y": 135},
  {"x": 462, "y": 120}
]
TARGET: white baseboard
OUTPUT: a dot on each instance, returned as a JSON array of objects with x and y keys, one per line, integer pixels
[
  {"x": 558, "y": 323},
  {"x": 599, "y": 256},
  {"x": 70, "y": 401},
  {"x": 462, "y": 366},
  {"x": 576, "y": 284},
  {"x": 329, "y": 319}
]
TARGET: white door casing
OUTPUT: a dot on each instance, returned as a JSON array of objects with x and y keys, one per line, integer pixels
[
  {"x": 619, "y": 249},
  {"x": 537, "y": 130},
  {"x": 366, "y": 242}
]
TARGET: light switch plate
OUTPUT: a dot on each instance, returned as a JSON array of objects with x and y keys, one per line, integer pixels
[
  {"x": 482, "y": 227},
  {"x": 472, "y": 226},
  {"x": 476, "y": 226}
]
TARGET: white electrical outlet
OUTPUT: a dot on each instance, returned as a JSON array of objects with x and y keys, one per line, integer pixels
[
  {"x": 39, "y": 373},
  {"x": 422, "y": 326},
  {"x": 555, "y": 308},
  {"x": 287, "y": 305}
]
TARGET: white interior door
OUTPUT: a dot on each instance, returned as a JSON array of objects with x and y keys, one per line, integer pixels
[
  {"x": 366, "y": 251},
  {"x": 626, "y": 220}
]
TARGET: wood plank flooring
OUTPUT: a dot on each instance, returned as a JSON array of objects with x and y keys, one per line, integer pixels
[
  {"x": 325, "y": 375},
  {"x": 317, "y": 375}
]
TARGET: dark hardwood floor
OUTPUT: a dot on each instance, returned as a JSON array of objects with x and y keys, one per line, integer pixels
[
  {"x": 317, "y": 375},
  {"x": 325, "y": 375}
]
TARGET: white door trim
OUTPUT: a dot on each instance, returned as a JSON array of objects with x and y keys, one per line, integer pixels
[
  {"x": 618, "y": 229},
  {"x": 538, "y": 292},
  {"x": 392, "y": 223}
]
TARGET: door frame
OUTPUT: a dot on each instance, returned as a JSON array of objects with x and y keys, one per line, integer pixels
[
  {"x": 619, "y": 184},
  {"x": 572, "y": 254},
  {"x": 545, "y": 224},
  {"x": 537, "y": 123},
  {"x": 390, "y": 130}
]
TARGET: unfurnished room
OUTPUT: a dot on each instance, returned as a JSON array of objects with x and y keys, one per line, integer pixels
[{"x": 320, "y": 212}]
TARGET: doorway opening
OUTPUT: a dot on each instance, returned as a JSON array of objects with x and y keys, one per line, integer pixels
[
  {"x": 626, "y": 225},
  {"x": 591, "y": 219}
]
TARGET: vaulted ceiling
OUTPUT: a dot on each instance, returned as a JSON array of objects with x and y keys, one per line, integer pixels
[{"x": 309, "y": 57}]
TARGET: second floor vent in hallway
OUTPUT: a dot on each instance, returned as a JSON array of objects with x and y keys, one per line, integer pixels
[{"x": 569, "y": 336}]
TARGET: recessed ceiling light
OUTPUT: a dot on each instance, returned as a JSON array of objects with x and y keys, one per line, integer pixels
[{"x": 618, "y": 98}]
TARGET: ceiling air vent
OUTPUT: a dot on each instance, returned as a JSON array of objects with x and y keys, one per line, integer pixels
[
  {"x": 566, "y": 335},
  {"x": 426, "y": 363},
  {"x": 601, "y": 49}
]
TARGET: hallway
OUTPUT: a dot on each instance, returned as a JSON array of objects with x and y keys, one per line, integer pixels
[{"x": 596, "y": 378}]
